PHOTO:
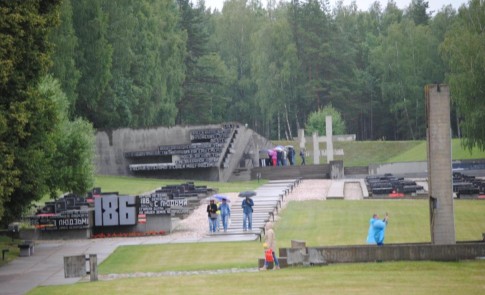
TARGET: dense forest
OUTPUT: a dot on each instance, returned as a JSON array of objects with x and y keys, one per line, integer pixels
[
  {"x": 160, "y": 62},
  {"x": 69, "y": 67}
]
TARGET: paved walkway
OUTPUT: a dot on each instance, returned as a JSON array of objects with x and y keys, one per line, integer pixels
[{"x": 46, "y": 265}]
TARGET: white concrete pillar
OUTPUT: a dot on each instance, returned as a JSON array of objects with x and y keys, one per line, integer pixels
[
  {"x": 329, "y": 138},
  {"x": 316, "y": 149}
]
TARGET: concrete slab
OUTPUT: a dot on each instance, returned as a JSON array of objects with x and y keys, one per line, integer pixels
[
  {"x": 336, "y": 190},
  {"x": 355, "y": 189}
]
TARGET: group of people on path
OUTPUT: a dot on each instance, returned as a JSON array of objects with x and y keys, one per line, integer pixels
[
  {"x": 280, "y": 156},
  {"x": 220, "y": 213},
  {"x": 217, "y": 214}
]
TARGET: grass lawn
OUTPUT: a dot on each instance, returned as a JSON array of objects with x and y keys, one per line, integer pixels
[
  {"x": 319, "y": 223},
  {"x": 13, "y": 250},
  {"x": 363, "y": 153},
  {"x": 134, "y": 186},
  {"x": 336, "y": 222},
  {"x": 367, "y": 278}
]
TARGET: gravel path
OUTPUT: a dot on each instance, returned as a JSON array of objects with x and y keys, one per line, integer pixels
[{"x": 111, "y": 277}]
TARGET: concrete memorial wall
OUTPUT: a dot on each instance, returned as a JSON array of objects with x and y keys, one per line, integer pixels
[
  {"x": 110, "y": 213},
  {"x": 166, "y": 152}
]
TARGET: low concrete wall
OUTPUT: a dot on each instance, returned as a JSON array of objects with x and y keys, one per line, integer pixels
[
  {"x": 156, "y": 223},
  {"x": 357, "y": 170},
  {"x": 336, "y": 169},
  {"x": 292, "y": 172},
  {"x": 391, "y": 252}
]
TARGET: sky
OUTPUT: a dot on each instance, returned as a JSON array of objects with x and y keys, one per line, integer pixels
[{"x": 434, "y": 5}]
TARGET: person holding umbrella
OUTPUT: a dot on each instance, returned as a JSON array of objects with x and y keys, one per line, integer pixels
[
  {"x": 273, "y": 156},
  {"x": 225, "y": 213},
  {"x": 291, "y": 154},
  {"x": 247, "y": 206}
]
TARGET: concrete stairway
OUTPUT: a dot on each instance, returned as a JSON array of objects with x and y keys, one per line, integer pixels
[{"x": 267, "y": 204}]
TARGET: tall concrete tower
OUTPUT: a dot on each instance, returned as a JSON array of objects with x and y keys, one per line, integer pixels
[{"x": 440, "y": 177}]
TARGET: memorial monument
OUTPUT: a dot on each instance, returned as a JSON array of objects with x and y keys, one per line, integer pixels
[{"x": 440, "y": 181}]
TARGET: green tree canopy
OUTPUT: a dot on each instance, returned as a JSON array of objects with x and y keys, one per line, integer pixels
[
  {"x": 317, "y": 121},
  {"x": 72, "y": 162},
  {"x": 463, "y": 51},
  {"x": 42, "y": 151},
  {"x": 160, "y": 62},
  {"x": 64, "y": 67},
  {"x": 27, "y": 118}
]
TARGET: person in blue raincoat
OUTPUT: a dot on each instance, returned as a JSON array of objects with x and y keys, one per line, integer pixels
[
  {"x": 377, "y": 230},
  {"x": 225, "y": 214}
]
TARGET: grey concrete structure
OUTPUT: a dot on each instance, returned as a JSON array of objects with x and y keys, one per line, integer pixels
[
  {"x": 240, "y": 152},
  {"x": 329, "y": 138},
  {"x": 440, "y": 178},
  {"x": 329, "y": 133},
  {"x": 288, "y": 172},
  {"x": 391, "y": 252}
]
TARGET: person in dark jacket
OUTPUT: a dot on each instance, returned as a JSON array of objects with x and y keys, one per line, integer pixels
[
  {"x": 302, "y": 155},
  {"x": 247, "y": 206},
  {"x": 212, "y": 215},
  {"x": 291, "y": 156}
]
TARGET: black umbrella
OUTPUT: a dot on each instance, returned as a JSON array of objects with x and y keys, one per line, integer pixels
[{"x": 247, "y": 194}]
